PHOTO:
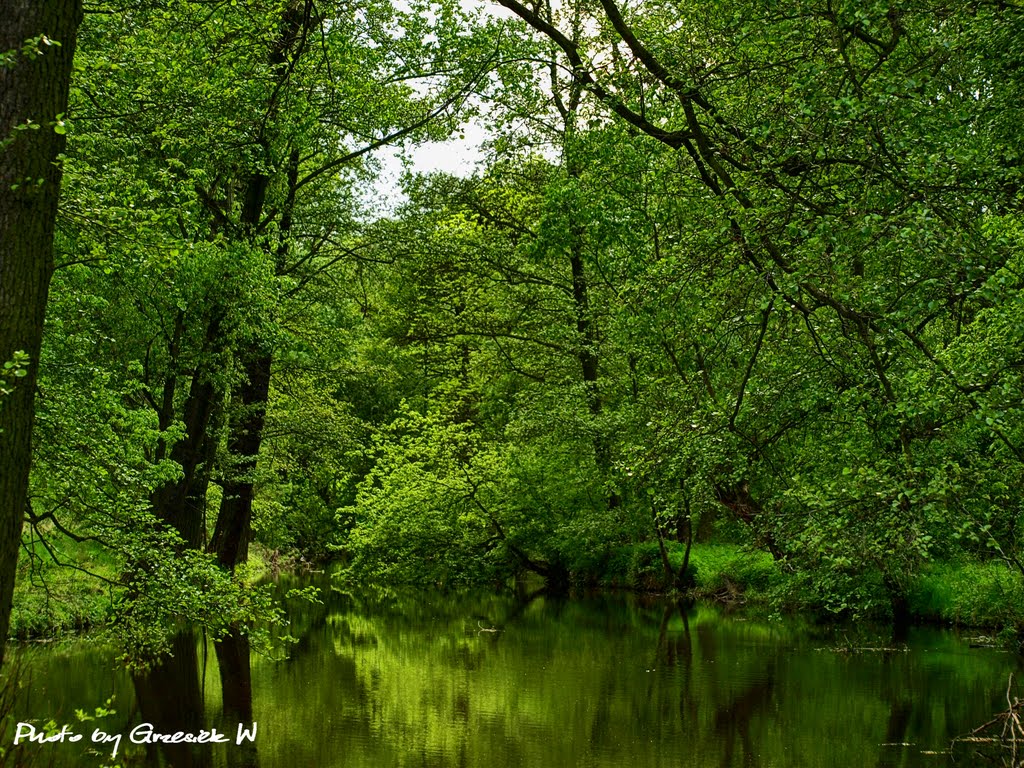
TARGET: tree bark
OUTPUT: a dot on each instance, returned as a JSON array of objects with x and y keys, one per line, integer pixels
[
  {"x": 234, "y": 520},
  {"x": 33, "y": 96},
  {"x": 586, "y": 329}
]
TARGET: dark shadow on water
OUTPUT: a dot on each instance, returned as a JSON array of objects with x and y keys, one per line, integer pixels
[
  {"x": 732, "y": 721},
  {"x": 233, "y": 659},
  {"x": 169, "y": 696}
]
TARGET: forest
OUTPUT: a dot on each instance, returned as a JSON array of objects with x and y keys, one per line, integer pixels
[{"x": 731, "y": 305}]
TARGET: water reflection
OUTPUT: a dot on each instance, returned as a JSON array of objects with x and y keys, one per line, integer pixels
[
  {"x": 528, "y": 679},
  {"x": 169, "y": 695},
  {"x": 234, "y": 664}
]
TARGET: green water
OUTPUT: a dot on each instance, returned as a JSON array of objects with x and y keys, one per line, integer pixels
[{"x": 414, "y": 679}]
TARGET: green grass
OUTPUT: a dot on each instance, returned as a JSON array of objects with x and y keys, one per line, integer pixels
[
  {"x": 51, "y": 600},
  {"x": 962, "y": 593},
  {"x": 731, "y": 570},
  {"x": 720, "y": 570},
  {"x": 969, "y": 594}
]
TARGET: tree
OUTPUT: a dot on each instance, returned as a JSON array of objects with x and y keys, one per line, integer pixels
[
  {"x": 797, "y": 301},
  {"x": 297, "y": 253},
  {"x": 723, "y": 259},
  {"x": 209, "y": 189},
  {"x": 865, "y": 179},
  {"x": 37, "y": 45}
]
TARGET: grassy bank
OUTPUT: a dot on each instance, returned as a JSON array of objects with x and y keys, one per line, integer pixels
[
  {"x": 970, "y": 594},
  {"x": 51, "y": 600},
  {"x": 961, "y": 593},
  {"x": 721, "y": 571},
  {"x": 78, "y": 590}
]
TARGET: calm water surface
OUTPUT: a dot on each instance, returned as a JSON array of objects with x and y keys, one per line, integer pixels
[{"x": 415, "y": 679}]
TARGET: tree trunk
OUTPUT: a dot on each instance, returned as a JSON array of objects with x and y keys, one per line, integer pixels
[
  {"x": 588, "y": 357},
  {"x": 33, "y": 94},
  {"x": 231, "y": 536},
  {"x": 234, "y": 518},
  {"x": 181, "y": 503},
  {"x": 736, "y": 497}
]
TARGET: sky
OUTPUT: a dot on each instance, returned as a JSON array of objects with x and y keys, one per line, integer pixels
[{"x": 457, "y": 156}]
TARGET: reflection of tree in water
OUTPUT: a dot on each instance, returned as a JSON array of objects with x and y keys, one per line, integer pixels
[
  {"x": 236, "y": 695},
  {"x": 676, "y": 650},
  {"x": 170, "y": 696},
  {"x": 381, "y": 647},
  {"x": 900, "y": 711},
  {"x": 896, "y": 684},
  {"x": 522, "y": 600},
  {"x": 731, "y": 721}
]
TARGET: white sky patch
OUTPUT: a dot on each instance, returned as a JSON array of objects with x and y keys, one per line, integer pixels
[{"x": 457, "y": 156}]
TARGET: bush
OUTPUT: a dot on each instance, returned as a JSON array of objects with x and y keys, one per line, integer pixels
[{"x": 835, "y": 593}]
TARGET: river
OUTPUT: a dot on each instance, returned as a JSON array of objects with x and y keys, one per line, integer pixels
[{"x": 502, "y": 680}]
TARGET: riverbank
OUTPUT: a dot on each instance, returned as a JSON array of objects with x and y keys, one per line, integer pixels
[
  {"x": 955, "y": 593},
  {"x": 52, "y": 601},
  {"x": 77, "y": 594}
]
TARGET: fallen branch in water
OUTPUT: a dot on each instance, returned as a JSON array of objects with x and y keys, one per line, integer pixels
[{"x": 1010, "y": 736}]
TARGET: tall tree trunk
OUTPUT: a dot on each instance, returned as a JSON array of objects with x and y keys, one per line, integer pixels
[
  {"x": 33, "y": 94},
  {"x": 231, "y": 536},
  {"x": 586, "y": 330},
  {"x": 234, "y": 518},
  {"x": 587, "y": 337},
  {"x": 230, "y": 539}
]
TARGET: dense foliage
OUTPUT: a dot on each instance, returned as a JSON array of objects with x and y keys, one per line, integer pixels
[{"x": 746, "y": 273}]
